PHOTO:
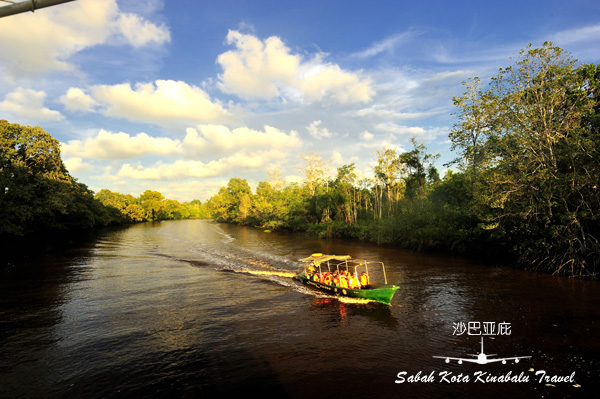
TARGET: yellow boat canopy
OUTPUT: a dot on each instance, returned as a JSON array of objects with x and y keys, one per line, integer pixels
[{"x": 317, "y": 259}]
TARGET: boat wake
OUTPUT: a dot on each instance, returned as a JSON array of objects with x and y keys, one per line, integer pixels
[
  {"x": 268, "y": 273},
  {"x": 215, "y": 248}
]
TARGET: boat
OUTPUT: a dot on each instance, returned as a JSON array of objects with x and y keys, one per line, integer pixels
[{"x": 319, "y": 269}]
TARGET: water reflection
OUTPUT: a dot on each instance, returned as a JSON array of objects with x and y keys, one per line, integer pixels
[{"x": 195, "y": 308}]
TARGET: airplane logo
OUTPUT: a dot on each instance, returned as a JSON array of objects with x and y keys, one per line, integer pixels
[{"x": 482, "y": 358}]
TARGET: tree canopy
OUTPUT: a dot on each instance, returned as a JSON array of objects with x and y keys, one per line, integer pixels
[
  {"x": 532, "y": 142},
  {"x": 37, "y": 193}
]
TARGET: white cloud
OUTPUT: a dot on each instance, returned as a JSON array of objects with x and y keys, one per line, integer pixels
[
  {"x": 366, "y": 135},
  {"x": 108, "y": 145},
  {"x": 405, "y": 132},
  {"x": 205, "y": 140},
  {"x": 256, "y": 69},
  {"x": 77, "y": 100},
  {"x": 336, "y": 158},
  {"x": 160, "y": 102},
  {"x": 186, "y": 190},
  {"x": 29, "y": 104},
  {"x": 387, "y": 45},
  {"x": 198, "y": 169},
  {"x": 267, "y": 70},
  {"x": 320, "y": 81},
  {"x": 76, "y": 165},
  {"x": 318, "y": 132},
  {"x": 589, "y": 33},
  {"x": 385, "y": 113},
  {"x": 401, "y": 130},
  {"x": 219, "y": 138},
  {"x": 138, "y": 32},
  {"x": 42, "y": 42}
]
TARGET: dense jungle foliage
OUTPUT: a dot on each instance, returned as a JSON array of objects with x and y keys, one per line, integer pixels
[{"x": 527, "y": 189}]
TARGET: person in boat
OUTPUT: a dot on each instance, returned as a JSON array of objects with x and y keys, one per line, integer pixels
[
  {"x": 353, "y": 281},
  {"x": 344, "y": 279},
  {"x": 364, "y": 279},
  {"x": 336, "y": 279}
]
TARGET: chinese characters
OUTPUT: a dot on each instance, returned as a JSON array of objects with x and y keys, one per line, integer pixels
[{"x": 481, "y": 328}]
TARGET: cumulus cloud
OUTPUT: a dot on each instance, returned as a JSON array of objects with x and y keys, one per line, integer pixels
[
  {"x": 29, "y": 104},
  {"x": 267, "y": 70},
  {"x": 336, "y": 158},
  {"x": 318, "y": 132},
  {"x": 108, "y": 145},
  {"x": 256, "y": 69},
  {"x": 197, "y": 169},
  {"x": 42, "y": 42},
  {"x": 160, "y": 102},
  {"x": 139, "y": 32},
  {"x": 77, "y": 100},
  {"x": 366, "y": 135},
  {"x": 204, "y": 140},
  {"x": 77, "y": 165},
  {"x": 219, "y": 138}
]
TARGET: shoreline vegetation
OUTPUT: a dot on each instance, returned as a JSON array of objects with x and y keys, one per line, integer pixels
[{"x": 526, "y": 190}]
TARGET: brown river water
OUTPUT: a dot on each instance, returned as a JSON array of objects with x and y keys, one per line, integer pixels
[{"x": 188, "y": 309}]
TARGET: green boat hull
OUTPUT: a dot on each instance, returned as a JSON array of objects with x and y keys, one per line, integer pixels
[{"x": 379, "y": 293}]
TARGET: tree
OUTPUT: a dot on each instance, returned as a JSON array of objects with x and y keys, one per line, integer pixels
[
  {"x": 153, "y": 204},
  {"x": 225, "y": 206},
  {"x": 469, "y": 135},
  {"x": 539, "y": 188},
  {"x": 36, "y": 191},
  {"x": 420, "y": 170},
  {"x": 315, "y": 170},
  {"x": 346, "y": 194},
  {"x": 388, "y": 177}
]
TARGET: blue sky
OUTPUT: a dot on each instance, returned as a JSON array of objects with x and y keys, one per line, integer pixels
[{"x": 181, "y": 96}]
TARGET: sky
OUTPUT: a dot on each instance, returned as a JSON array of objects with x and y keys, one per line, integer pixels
[{"x": 181, "y": 96}]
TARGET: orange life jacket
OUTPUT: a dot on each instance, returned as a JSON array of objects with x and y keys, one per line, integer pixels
[
  {"x": 364, "y": 280},
  {"x": 344, "y": 282}
]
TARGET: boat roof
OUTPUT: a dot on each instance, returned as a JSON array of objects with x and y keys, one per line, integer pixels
[{"x": 317, "y": 259}]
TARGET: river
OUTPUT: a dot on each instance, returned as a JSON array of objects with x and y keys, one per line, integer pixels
[{"x": 193, "y": 308}]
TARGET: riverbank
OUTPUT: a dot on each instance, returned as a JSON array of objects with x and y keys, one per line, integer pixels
[{"x": 468, "y": 243}]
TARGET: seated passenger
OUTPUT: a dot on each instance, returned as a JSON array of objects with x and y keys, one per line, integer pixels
[
  {"x": 353, "y": 281},
  {"x": 336, "y": 279},
  {"x": 364, "y": 279},
  {"x": 343, "y": 282}
]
